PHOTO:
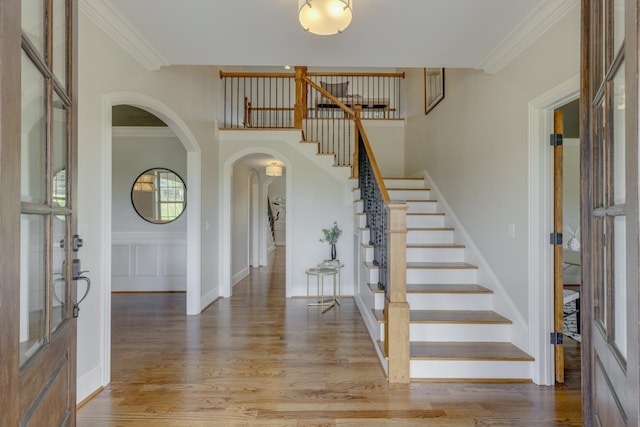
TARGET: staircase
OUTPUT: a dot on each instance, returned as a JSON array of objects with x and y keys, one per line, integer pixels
[{"x": 455, "y": 335}]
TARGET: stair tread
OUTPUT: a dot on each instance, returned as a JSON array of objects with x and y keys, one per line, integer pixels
[
  {"x": 451, "y": 316},
  {"x": 467, "y": 351},
  {"x": 442, "y": 265},
  {"x": 448, "y": 289}
]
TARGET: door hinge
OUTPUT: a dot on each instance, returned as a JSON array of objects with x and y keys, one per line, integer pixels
[
  {"x": 556, "y": 338},
  {"x": 555, "y": 139},
  {"x": 555, "y": 238}
]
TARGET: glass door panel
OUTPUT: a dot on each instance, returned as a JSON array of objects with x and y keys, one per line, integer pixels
[
  {"x": 59, "y": 153},
  {"x": 58, "y": 269},
  {"x": 33, "y": 134},
  {"x": 33, "y": 23},
  {"x": 59, "y": 54},
  {"x": 618, "y": 25},
  {"x": 620, "y": 285},
  {"x": 33, "y": 295},
  {"x": 619, "y": 146}
]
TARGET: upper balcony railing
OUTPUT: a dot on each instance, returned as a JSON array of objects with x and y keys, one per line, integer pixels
[{"x": 267, "y": 100}]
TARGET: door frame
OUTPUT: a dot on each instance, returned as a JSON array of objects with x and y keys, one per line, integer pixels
[
  {"x": 224, "y": 248},
  {"x": 540, "y": 206},
  {"x": 193, "y": 256}
]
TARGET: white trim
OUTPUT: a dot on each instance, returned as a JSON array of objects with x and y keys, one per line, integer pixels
[
  {"x": 225, "y": 218},
  {"x": 116, "y": 26},
  {"x": 143, "y": 132},
  {"x": 146, "y": 237},
  {"x": 530, "y": 29},
  {"x": 540, "y": 271},
  {"x": 239, "y": 276},
  {"x": 193, "y": 213},
  {"x": 86, "y": 383}
]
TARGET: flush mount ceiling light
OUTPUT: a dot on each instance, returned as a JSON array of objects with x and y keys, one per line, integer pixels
[
  {"x": 325, "y": 17},
  {"x": 274, "y": 169}
]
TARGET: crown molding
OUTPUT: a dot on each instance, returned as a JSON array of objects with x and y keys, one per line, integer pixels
[
  {"x": 107, "y": 18},
  {"x": 530, "y": 29}
]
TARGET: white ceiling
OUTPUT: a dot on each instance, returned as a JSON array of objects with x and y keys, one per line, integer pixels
[{"x": 383, "y": 33}]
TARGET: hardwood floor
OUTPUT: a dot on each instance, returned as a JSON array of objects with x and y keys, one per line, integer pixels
[{"x": 259, "y": 359}]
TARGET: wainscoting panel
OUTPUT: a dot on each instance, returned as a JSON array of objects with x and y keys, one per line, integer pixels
[{"x": 148, "y": 262}]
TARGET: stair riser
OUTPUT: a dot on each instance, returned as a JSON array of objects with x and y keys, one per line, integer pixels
[
  {"x": 409, "y": 194},
  {"x": 456, "y": 332},
  {"x": 425, "y": 221},
  {"x": 441, "y": 275},
  {"x": 368, "y": 254},
  {"x": 435, "y": 254},
  {"x": 404, "y": 183},
  {"x": 429, "y": 236},
  {"x": 413, "y": 221},
  {"x": 423, "y": 207},
  {"x": 472, "y": 369},
  {"x": 364, "y": 236},
  {"x": 372, "y": 275},
  {"x": 441, "y": 301},
  {"x": 449, "y": 301},
  {"x": 451, "y": 332}
]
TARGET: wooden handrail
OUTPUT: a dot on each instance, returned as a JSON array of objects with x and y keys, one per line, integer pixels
[
  {"x": 247, "y": 74},
  {"x": 374, "y": 163},
  {"x": 340, "y": 74}
]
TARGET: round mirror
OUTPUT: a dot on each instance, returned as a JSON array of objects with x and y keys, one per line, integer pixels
[{"x": 159, "y": 195}]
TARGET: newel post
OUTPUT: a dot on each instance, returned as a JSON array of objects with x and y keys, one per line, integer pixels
[
  {"x": 396, "y": 308},
  {"x": 300, "y": 108}
]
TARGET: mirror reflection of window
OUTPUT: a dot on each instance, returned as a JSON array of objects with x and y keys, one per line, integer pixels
[{"x": 159, "y": 195}]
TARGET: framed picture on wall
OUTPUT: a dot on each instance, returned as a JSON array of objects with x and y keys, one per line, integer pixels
[{"x": 433, "y": 88}]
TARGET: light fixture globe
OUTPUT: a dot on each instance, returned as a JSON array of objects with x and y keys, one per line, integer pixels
[
  {"x": 325, "y": 17},
  {"x": 273, "y": 170}
]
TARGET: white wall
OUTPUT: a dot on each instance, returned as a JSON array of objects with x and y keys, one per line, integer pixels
[
  {"x": 387, "y": 140},
  {"x": 191, "y": 94},
  {"x": 240, "y": 222},
  {"x": 474, "y": 146},
  {"x": 145, "y": 256}
]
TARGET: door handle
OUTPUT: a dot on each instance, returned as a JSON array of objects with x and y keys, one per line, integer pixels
[{"x": 76, "y": 306}]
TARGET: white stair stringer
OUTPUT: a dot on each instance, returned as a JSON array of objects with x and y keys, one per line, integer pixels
[{"x": 455, "y": 333}]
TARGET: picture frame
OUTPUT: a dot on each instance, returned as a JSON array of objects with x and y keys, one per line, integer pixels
[{"x": 433, "y": 88}]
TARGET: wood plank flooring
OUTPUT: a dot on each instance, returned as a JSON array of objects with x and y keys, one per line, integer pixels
[{"x": 259, "y": 359}]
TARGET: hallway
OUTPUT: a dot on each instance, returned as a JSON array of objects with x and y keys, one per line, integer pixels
[{"x": 259, "y": 359}]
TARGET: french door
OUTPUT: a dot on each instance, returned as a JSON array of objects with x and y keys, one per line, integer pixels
[
  {"x": 37, "y": 212},
  {"x": 609, "y": 176}
]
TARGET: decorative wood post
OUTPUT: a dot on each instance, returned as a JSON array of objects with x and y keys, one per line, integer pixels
[
  {"x": 396, "y": 308},
  {"x": 300, "y": 109}
]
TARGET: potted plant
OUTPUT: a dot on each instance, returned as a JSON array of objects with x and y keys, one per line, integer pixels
[{"x": 331, "y": 236}]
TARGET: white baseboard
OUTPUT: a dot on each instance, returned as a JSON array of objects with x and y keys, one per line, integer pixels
[
  {"x": 208, "y": 298},
  {"x": 236, "y": 278},
  {"x": 88, "y": 383}
]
